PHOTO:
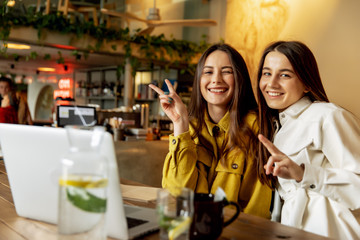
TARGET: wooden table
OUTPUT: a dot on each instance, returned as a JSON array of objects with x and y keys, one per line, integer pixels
[{"x": 13, "y": 227}]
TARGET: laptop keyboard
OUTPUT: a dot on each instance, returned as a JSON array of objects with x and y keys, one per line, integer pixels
[{"x": 133, "y": 222}]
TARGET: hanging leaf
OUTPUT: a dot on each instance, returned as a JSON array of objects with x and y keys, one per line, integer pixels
[
  {"x": 33, "y": 55},
  {"x": 16, "y": 57},
  {"x": 47, "y": 56},
  {"x": 60, "y": 60}
]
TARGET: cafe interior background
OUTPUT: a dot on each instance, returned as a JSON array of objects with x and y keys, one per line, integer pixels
[{"x": 329, "y": 27}]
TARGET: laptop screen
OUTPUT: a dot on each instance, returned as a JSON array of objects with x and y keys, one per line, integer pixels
[{"x": 76, "y": 115}]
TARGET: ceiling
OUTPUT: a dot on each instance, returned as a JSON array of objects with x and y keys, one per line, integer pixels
[
  {"x": 25, "y": 66},
  {"x": 29, "y": 66}
]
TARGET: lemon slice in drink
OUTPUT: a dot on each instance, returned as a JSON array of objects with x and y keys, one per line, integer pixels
[
  {"x": 98, "y": 184},
  {"x": 179, "y": 229},
  {"x": 83, "y": 182}
]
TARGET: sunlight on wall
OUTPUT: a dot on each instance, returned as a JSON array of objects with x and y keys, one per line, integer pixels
[
  {"x": 252, "y": 24},
  {"x": 308, "y": 19}
]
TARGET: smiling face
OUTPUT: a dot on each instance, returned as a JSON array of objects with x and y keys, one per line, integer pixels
[
  {"x": 279, "y": 83},
  {"x": 4, "y": 88},
  {"x": 217, "y": 81}
]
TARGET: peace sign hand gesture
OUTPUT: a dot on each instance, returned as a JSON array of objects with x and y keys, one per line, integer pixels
[
  {"x": 279, "y": 164},
  {"x": 173, "y": 107}
]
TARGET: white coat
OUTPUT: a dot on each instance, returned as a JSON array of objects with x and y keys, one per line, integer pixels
[{"x": 326, "y": 139}]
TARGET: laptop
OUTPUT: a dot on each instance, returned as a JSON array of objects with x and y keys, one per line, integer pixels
[
  {"x": 32, "y": 159},
  {"x": 75, "y": 115}
]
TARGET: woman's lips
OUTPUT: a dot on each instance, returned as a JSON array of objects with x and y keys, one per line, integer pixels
[
  {"x": 217, "y": 90},
  {"x": 274, "y": 94}
]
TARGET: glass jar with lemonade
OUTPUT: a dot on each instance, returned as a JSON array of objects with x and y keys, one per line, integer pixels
[{"x": 82, "y": 186}]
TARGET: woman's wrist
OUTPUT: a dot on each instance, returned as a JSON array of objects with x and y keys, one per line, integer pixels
[
  {"x": 181, "y": 127},
  {"x": 301, "y": 173}
]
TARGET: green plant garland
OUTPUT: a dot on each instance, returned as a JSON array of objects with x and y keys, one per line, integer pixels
[{"x": 175, "y": 49}]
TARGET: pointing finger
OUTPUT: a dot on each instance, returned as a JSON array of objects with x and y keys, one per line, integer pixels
[{"x": 268, "y": 144}]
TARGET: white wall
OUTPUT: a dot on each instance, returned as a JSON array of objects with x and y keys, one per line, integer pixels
[
  {"x": 33, "y": 94},
  {"x": 331, "y": 28}
]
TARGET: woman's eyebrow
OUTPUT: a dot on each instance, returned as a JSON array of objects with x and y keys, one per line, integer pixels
[
  {"x": 221, "y": 67},
  {"x": 226, "y": 67},
  {"x": 281, "y": 70},
  {"x": 286, "y": 70}
]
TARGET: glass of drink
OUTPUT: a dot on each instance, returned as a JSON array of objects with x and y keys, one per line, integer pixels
[
  {"x": 175, "y": 209},
  {"x": 82, "y": 187}
]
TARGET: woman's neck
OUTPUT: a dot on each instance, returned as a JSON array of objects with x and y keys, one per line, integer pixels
[{"x": 216, "y": 113}]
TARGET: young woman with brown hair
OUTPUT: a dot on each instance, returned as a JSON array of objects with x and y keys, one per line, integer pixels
[
  {"x": 315, "y": 151},
  {"x": 215, "y": 144}
]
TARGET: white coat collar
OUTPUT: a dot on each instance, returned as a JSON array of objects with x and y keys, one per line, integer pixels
[{"x": 294, "y": 110}]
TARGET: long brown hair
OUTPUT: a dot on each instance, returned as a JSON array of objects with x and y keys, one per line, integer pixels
[
  {"x": 242, "y": 103},
  {"x": 306, "y": 69}
]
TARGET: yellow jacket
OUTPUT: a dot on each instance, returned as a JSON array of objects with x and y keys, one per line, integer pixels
[{"x": 194, "y": 163}]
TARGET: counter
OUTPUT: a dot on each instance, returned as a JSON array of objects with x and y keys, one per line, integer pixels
[{"x": 141, "y": 161}]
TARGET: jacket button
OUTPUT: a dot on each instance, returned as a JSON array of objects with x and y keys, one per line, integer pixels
[
  {"x": 312, "y": 186},
  {"x": 173, "y": 141},
  {"x": 216, "y": 130},
  {"x": 234, "y": 166},
  {"x": 282, "y": 115}
]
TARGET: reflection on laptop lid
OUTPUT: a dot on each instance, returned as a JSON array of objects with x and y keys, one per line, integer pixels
[
  {"x": 32, "y": 159},
  {"x": 75, "y": 115}
]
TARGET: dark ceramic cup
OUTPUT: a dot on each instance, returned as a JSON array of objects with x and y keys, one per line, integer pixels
[{"x": 208, "y": 220}]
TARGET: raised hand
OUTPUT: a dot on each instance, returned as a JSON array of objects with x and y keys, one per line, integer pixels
[
  {"x": 173, "y": 107},
  {"x": 5, "y": 101},
  {"x": 279, "y": 164}
]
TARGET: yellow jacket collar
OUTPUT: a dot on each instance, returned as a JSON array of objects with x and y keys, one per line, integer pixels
[{"x": 223, "y": 123}]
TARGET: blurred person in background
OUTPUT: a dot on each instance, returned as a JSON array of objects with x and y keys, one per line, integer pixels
[
  {"x": 8, "y": 102},
  {"x": 24, "y": 116}
]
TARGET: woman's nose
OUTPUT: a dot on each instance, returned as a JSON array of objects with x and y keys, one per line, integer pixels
[
  {"x": 273, "y": 82},
  {"x": 216, "y": 77}
]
